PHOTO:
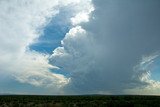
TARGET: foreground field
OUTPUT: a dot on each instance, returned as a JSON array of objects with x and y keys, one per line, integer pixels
[{"x": 79, "y": 101}]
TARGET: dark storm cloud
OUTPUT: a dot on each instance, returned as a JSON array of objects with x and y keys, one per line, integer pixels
[{"x": 122, "y": 32}]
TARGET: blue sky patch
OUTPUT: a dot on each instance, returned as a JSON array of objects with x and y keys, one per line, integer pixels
[
  {"x": 61, "y": 71},
  {"x": 53, "y": 33},
  {"x": 155, "y": 72}
]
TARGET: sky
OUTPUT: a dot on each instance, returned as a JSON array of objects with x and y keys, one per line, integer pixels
[{"x": 72, "y": 47}]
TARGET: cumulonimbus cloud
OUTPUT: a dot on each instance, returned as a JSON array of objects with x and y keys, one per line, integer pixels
[{"x": 102, "y": 54}]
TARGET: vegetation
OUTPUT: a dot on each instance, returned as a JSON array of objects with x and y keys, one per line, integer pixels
[{"x": 79, "y": 101}]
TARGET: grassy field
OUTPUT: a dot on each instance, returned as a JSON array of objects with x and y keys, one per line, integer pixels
[{"x": 79, "y": 101}]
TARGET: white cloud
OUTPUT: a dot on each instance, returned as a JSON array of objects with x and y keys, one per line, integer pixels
[
  {"x": 72, "y": 56},
  {"x": 34, "y": 69},
  {"x": 21, "y": 22},
  {"x": 151, "y": 89},
  {"x": 83, "y": 11},
  {"x": 143, "y": 73},
  {"x": 79, "y": 18}
]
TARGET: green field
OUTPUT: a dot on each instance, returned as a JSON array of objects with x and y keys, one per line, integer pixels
[{"x": 78, "y": 101}]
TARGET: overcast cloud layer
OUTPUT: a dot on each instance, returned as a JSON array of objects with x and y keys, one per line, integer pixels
[{"x": 110, "y": 48}]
